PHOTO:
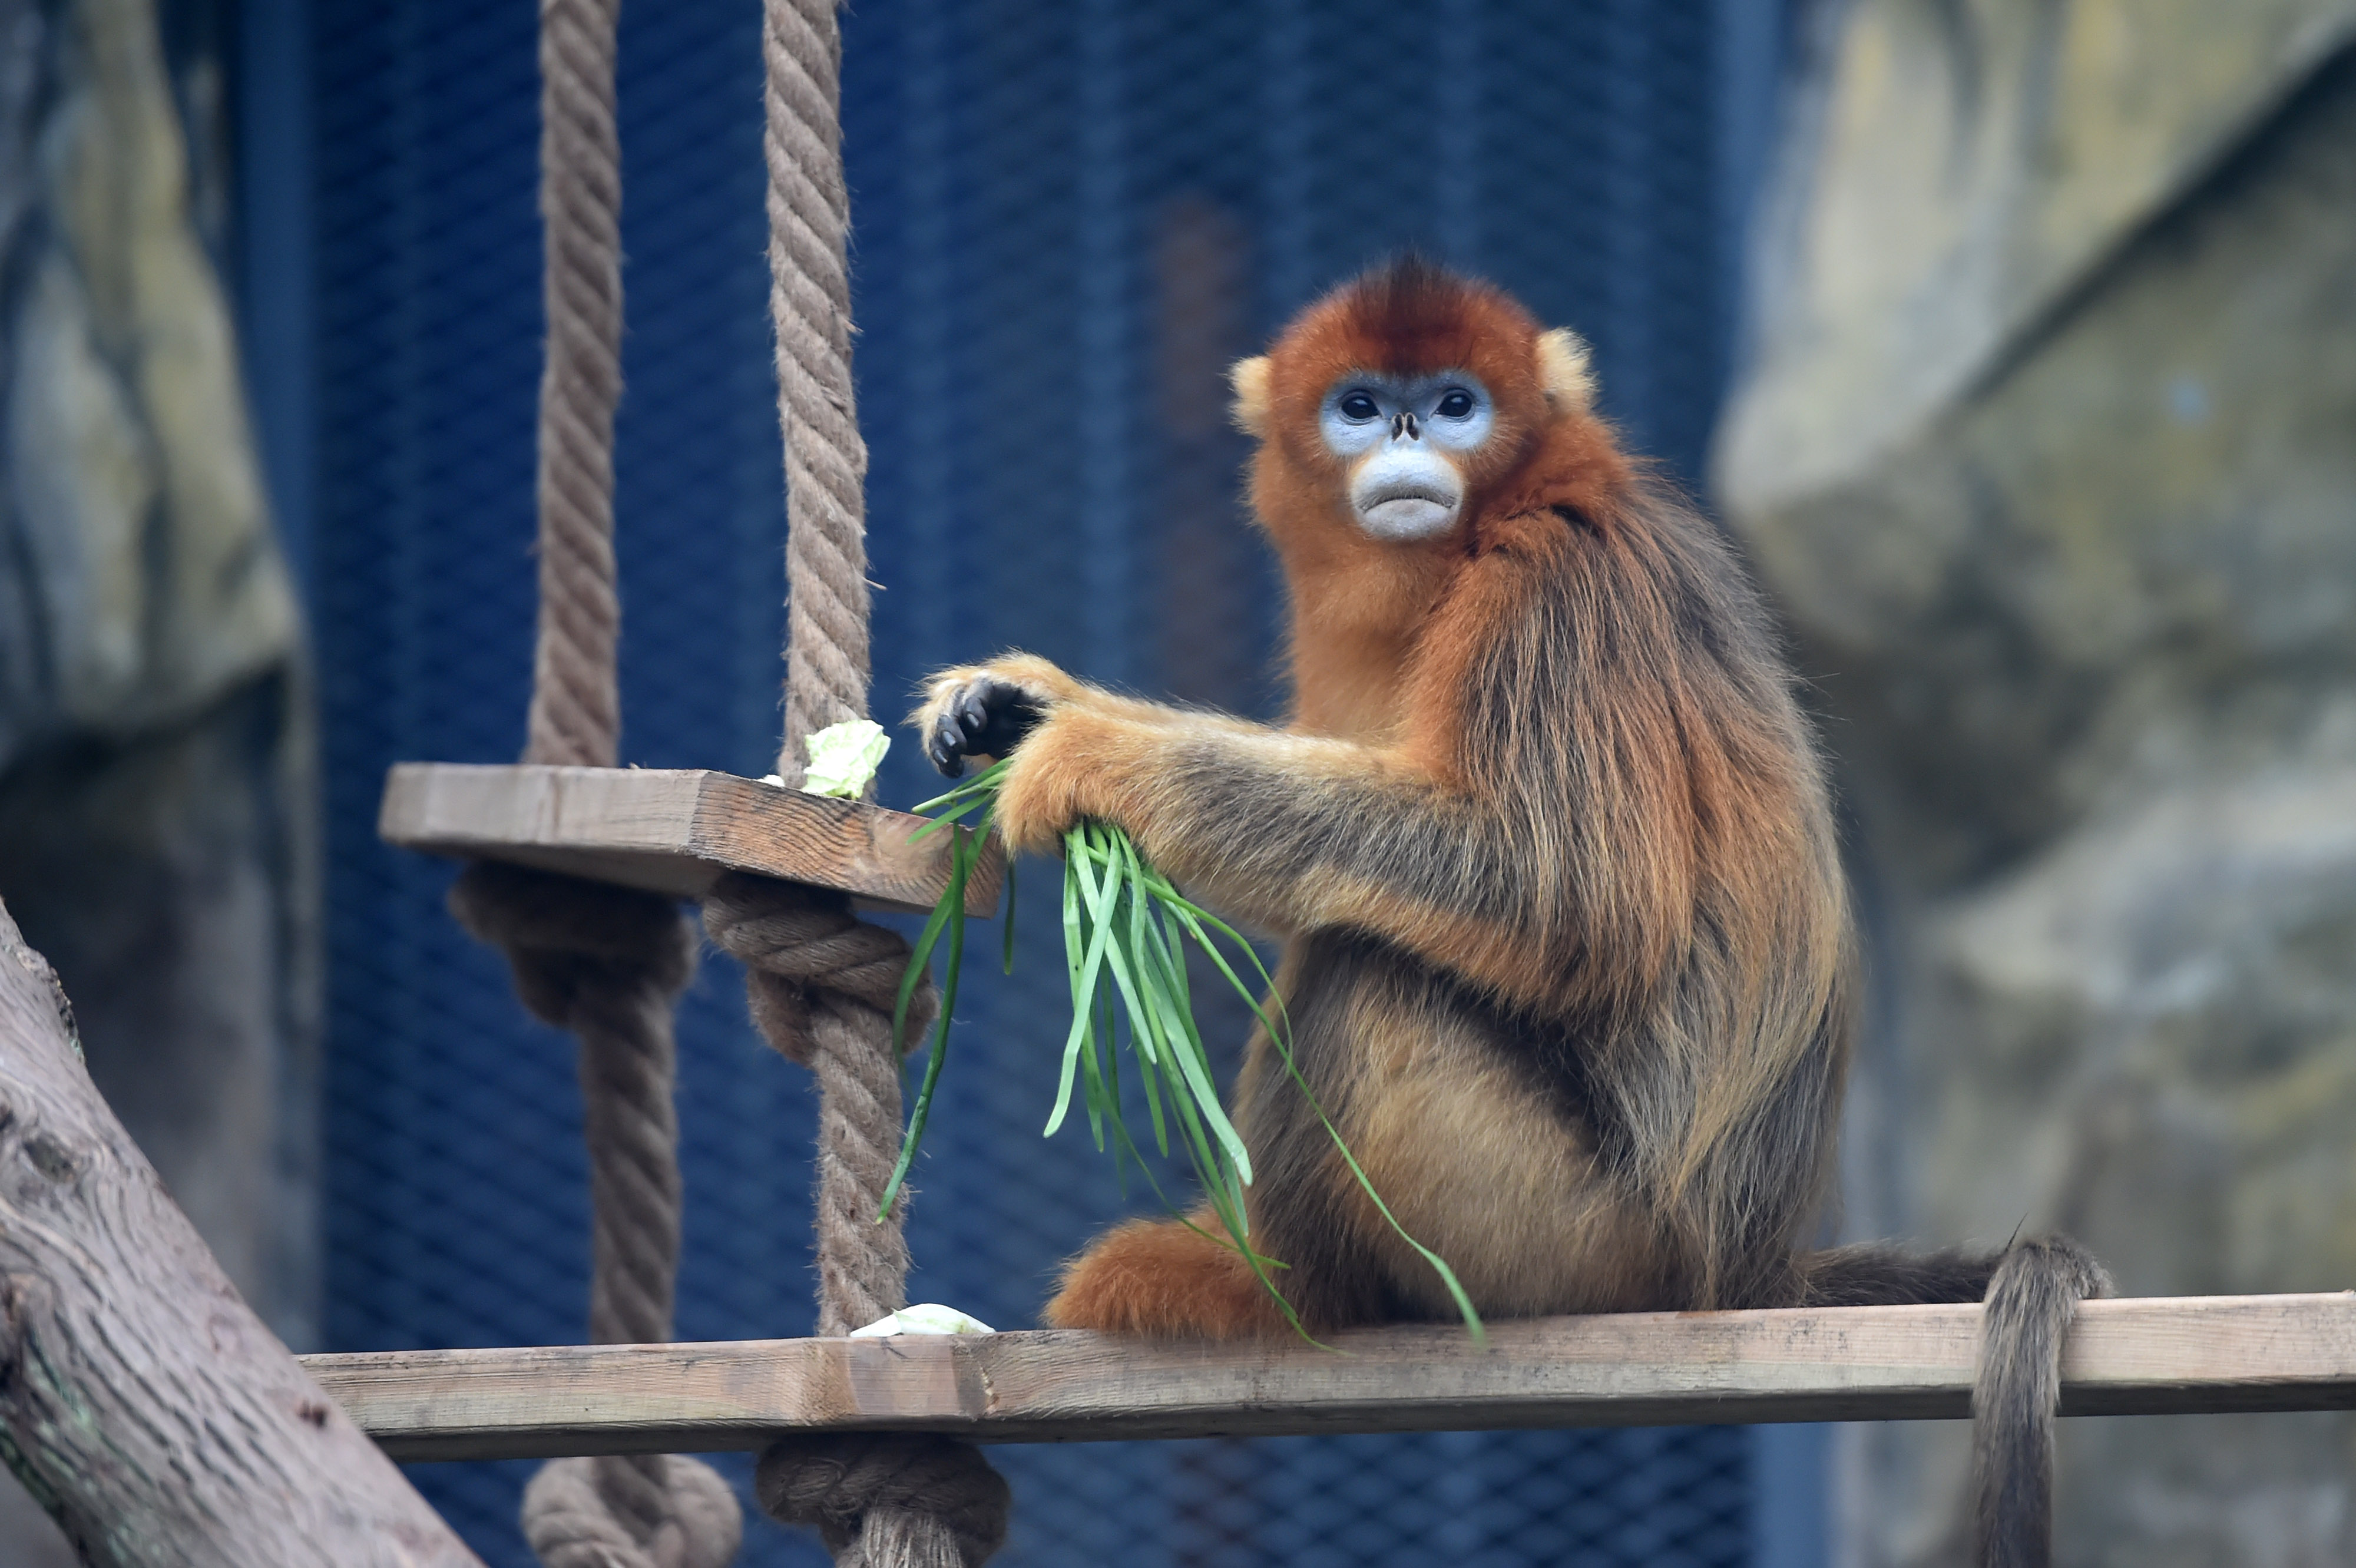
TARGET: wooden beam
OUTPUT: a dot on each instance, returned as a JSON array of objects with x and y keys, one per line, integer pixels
[
  {"x": 2149, "y": 1356},
  {"x": 672, "y": 831}
]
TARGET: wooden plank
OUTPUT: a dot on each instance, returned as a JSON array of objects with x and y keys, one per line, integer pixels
[
  {"x": 2148, "y": 1355},
  {"x": 672, "y": 831}
]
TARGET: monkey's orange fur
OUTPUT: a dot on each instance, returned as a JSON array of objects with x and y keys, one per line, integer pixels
[
  {"x": 1551, "y": 859},
  {"x": 1160, "y": 1279},
  {"x": 1567, "y": 948},
  {"x": 1548, "y": 845}
]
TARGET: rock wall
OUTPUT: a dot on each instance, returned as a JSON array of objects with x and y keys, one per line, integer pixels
[
  {"x": 155, "y": 778},
  {"x": 2049, "y": 452}
]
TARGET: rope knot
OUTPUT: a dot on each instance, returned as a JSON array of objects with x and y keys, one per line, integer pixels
[
  {"x": 574, "y": 942},
  {"x": 804, "y": 945},
  {"x": 922, "y": 1501},
  {"x": 650, "y": 1512}
]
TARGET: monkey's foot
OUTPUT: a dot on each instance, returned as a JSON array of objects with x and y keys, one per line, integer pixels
[{"x": 1159, "y": 1279}]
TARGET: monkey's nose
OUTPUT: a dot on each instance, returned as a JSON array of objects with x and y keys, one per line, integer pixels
[{"x": 1403, "y": 424}]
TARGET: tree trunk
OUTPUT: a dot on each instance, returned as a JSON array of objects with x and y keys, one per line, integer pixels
[{"x": 141, "y": 1401}]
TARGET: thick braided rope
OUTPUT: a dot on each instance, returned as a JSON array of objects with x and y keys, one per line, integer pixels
[
  {"x": 908, "y": 1502},
  {"x": 823, "y": 983},
  {"x": 607, "y": 965},
  {"x": 603, "y": 962},
  {"x": 575, "y": 705},
  {"x": 809, "y": 301}
]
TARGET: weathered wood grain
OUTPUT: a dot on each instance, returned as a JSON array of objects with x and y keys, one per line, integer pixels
[
  {"x": 672, "y": 831},
  {"x": 142, "y": 1403},
  {"x": 2149, "y": 1356}
]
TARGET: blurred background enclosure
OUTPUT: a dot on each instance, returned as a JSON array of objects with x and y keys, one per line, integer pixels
[{"x": 2029, "y": 379}]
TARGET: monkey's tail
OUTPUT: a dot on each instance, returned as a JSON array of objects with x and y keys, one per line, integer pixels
[
  {"x": 2017, "y": 1393},
  {"x": 2031, "y": 1288}
]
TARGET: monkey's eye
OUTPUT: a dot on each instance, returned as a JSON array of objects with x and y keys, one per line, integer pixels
[
  {"x": 1358, "y": 405},
  {"x": 1457, "y": 404}
]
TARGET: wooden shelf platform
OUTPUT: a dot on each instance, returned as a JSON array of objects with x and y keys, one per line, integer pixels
[
  {"x": 2148, "y": 1355},
  {"x": 672, "y": 831}
]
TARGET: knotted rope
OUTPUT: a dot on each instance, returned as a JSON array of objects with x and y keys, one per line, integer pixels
[
  {"x": 606, "y": 963},
  {"x": 928, "y": 1503},
  {"x": 822, "y": 983}
]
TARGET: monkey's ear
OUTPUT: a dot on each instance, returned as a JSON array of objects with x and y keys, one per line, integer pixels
[
  {"x": 1565, "y": 369},
  {"x": 1250, "y": 378}
]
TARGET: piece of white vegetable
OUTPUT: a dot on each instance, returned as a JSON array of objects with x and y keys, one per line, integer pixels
[{"x": 844, "y": 758}]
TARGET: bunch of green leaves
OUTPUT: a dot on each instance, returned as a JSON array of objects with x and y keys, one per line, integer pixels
[{"x": 1124, "y": 919}]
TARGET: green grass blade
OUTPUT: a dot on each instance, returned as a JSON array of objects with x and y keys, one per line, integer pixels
[
  {"x": 1084, "y": 984},
  {"x": 1139, "y": 1029},
  {"x": 1075, "y": 943},
  {"x": 1156, "y": 987},
  {"x": 1008, "y": 963},
  {"x": 960, "y": 866},
  {"x": 982, "y": 785},
  {"x": 1154, "y": 1104},
  {"x": 1168, "y": 993},
  {"x": 945, "y": 910}
]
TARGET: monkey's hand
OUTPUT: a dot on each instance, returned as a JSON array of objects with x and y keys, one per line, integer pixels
[
  {"x": 986, "y": 710},
  {"x": 1076, "y": 750}
]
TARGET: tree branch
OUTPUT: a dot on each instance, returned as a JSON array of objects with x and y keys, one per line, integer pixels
[{"x": 141, "y": 1401}]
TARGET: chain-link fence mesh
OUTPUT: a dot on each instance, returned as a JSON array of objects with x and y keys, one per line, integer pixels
[{"x": 1069, "y": 218}]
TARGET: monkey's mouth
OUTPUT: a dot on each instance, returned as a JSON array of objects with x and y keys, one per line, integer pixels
[{"x": 1412, "y": 508}]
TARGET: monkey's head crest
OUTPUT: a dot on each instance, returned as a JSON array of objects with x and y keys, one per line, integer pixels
[{"x": 1406, "y": 391}]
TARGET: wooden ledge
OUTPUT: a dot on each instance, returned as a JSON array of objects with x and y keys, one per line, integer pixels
[
  {"x": 672, "y": 831},
  {"x": 2148, "y": 1355}
]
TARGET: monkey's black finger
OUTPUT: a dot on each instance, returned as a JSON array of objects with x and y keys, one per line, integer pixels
[
  {"x": 974, "y": 704},
  {"x": 945, "y": 743},
  {"x": 945, "y": 747}
]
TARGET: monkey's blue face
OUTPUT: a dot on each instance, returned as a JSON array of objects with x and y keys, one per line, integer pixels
[{"x": 1403, "y": 440}]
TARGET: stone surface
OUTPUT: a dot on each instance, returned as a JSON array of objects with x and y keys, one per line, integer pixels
[
  {"x": 156, "y": 833},
  {"x": 145, "y": 579},
  {"x": 1968, "y": 163},
  {"x": 2081, "y": 603}
]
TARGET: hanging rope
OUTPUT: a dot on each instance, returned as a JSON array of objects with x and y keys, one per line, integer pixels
[
  {"x": 822, "y": 987},
  {"x": 822, "y": 981},
  {"x": 809, "y": 302},
  {"x": 606, "y": 963},
  {"x": 576, "y": 713}
]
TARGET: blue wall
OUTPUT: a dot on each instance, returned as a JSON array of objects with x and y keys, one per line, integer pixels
[{"x": 1068, "y": 218}]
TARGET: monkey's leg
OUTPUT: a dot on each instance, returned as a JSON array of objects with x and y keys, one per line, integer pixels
[{"x": 1159, "y": 1278}]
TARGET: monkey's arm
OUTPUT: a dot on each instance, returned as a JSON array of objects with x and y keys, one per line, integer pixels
[{"x": 1282, "y": 831}]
